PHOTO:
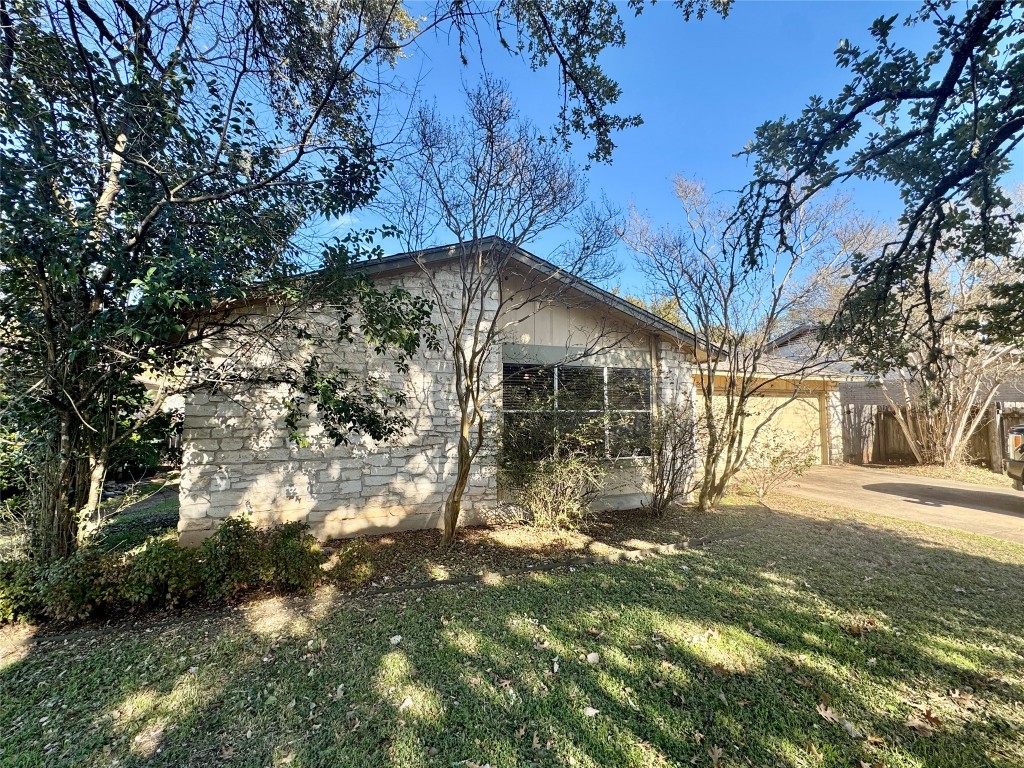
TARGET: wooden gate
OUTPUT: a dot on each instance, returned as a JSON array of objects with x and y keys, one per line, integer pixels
[{"x": 984, "y": 447}]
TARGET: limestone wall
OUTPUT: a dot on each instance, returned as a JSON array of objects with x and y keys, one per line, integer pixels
[{"x": 239, "y": 460}]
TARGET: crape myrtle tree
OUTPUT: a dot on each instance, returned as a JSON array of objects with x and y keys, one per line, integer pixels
[
  {"x": 734, "y": 312},
  {"x": 159, "y": 164},
  {"x": 941, "y": 126},
  {"x": 940, "y": 372},
  {"x": 469, "y": 180}
]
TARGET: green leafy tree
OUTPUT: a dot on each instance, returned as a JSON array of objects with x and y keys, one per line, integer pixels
[
  {"x": 940, "y": 125},
  {"x": 572, "y": 36},
  {"x": 161, "y": 164}
]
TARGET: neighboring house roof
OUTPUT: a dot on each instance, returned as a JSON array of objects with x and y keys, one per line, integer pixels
[
  {"x": 800, "y": 333},
  {"x": 801, "y": 344},
  {"x": 780, "y": 365},
  {"x": 444, "y": 253}
]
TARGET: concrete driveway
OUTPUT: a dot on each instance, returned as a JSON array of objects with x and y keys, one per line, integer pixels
[{"x": 948, "y": 503}]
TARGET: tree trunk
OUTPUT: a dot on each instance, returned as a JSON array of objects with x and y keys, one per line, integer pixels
[
  {"x": 712, "y": 487},
  {"x": 453, "y": 502},
  {"x": 90, "y": 511},
  {"x": 710, "y": 495},
  {"x": 60, "y": 485}
]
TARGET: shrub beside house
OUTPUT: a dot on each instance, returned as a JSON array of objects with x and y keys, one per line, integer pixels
[{"x": 591, "y": 356}]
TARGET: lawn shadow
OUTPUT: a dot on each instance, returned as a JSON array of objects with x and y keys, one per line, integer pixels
[
  {"x": 412, "y": 557},
  {"x": 991, "y": 502},
  {"x": 738, "y": 648}
]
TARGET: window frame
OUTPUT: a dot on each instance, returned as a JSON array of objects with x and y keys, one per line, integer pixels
[{"x": 605, "y": 414}]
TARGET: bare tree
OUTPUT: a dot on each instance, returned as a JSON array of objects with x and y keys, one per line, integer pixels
[
  {"x": 939, "y": 373},
  {"x": 673, "y": 456},
  {"x": 734, "y": 311},
  {"x": 486, "y": 183},
  {"x": 938, "y": 366}
]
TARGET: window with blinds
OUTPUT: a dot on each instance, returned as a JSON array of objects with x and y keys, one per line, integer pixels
[{"x": 601, "y": 411}]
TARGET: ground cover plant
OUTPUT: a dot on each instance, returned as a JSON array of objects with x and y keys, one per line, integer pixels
[
  {"x": 101, "y": 581},
  {"x": 816, "y": 639}
]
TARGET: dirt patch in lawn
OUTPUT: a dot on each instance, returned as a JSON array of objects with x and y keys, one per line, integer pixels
[{"x": 412, "y": 557}]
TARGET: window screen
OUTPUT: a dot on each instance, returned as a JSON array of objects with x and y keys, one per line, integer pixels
[{"x": 601, "y": 411}]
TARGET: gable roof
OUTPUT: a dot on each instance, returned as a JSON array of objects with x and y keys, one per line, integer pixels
[
  {"x": 445, "y": 253},
  {"x": 792, "y": 336}
]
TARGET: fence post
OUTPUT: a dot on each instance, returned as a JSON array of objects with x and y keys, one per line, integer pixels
[{"x": 995, "y": 438}]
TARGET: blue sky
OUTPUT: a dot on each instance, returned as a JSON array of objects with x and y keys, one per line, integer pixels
[{"x": 702, "y": 88}]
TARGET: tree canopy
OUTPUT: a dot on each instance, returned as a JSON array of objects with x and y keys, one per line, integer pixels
[
  {"x": 160, "y": 163},
  {"x": 940, "y": 125}
]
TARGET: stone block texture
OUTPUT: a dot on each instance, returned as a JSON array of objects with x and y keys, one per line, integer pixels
[{"x": 238, "y": 458}]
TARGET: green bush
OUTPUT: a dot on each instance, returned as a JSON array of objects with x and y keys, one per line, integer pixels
[
  {"x": 295, "y": 557},
  {"x": 160, "y": 573},
  {"x": 74, "y": 588},
  {"x": 163, "y": 573},
  {"x": 234, "y": 559},
  {"x": 18, "y": 597}
]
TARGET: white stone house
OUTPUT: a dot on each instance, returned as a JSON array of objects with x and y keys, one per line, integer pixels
[{"x": 238, "y": 458}]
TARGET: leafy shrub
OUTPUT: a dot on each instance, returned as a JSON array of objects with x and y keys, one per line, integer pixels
[
  {"x": 557, "y": 493},
  {"x": 160, "y": 572},
  {"x": 163, "y": 573},
  {"x": 18, "y": 597},
  {"x": 295, "y": 557},
  {"x": 234, "y": 559},
  {"x": 74, "y": 588},
  {"x": 776, "y": 457}
]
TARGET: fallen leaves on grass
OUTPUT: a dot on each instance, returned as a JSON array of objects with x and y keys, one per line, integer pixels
[
  {"x": 590, "y": 711},
  {"x": 926, "y": 723},
  {"x": 830, "y": 715},
  {"x": 962, "y": 699},
  {"x": 827, "y": 712},
  {"x": 851, "y": 729},
  {"x": 862, "y": 625},
  {"x": 921, "y": 727}
]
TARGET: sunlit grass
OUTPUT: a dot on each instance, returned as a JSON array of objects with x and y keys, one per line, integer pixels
[{"x": 727, "y": 655}]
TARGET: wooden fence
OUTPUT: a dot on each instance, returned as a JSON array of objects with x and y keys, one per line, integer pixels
[{"x": 890, "y": 446}]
